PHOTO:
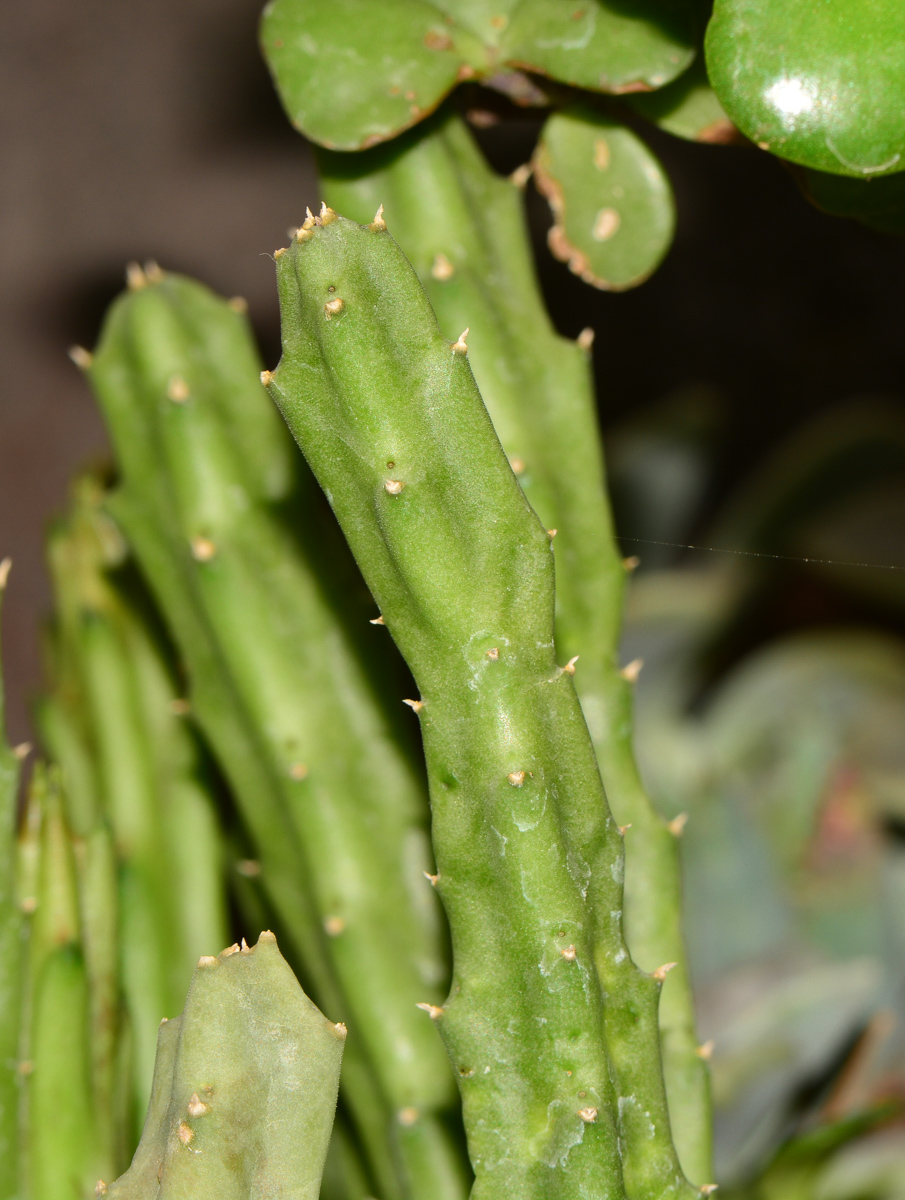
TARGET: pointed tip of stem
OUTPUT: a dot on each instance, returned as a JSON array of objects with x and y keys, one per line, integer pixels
[
  {"x": 378, "y": 225},
  {"x": 661, "y": 972},
  {"x": 377, "y": 621},
  {"x": 414, "y": 705},
  {"x": 461, "y": 345}
]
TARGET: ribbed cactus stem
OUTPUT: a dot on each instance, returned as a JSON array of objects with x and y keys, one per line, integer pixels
[
  {"x": 284, "y": 686},
  {"x": 10, "y": 953},
  {"x": 464, "y": 230},
  {"x": 244, "y": 1088},
  {"x": 551, "y": 1027}
]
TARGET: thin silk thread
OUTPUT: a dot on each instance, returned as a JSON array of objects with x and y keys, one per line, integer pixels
[{"x": 825, "y": 562}]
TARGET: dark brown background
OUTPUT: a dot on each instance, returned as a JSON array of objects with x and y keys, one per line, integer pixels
[{"x": 147, "y": 128}]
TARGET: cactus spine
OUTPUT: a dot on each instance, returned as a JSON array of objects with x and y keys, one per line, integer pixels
[
  {"x": 463, "y": 229},
  {"x": 282, "y": 685},
  {"x": 550, "y": 1025}
]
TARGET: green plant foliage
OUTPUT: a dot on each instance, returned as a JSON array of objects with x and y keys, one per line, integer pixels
[
  {"x": 821, "y": 83},
  {"x": 10, "y": 954},
  {"x": 688, "y": 108},
  {"x": 878, "y": 203},
  {"x": 285, "y": 679},
  {"x": 115, "y": 724},
  {"x": 352, "y": 73},
  {"x": 550, "y": 1025},
  {"x": 464, "y": 230},
  {"x": 612, "y": 205},
  {"x": 244, "y": 1088}
]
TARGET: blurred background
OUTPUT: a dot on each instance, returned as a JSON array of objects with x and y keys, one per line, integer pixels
[{"x": 752, "y": 395}]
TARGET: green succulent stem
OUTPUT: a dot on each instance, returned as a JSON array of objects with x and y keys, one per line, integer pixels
[
  {"x": 551, "y": 1027},
  {"x": 463, "y": 229},
  {"x": 11, "y": 953},
  {"x": 286, "y": 691}
]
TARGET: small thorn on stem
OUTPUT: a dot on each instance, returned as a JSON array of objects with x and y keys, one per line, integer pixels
[
  {"x": 334, "y": 926},
  {"x": 378, "y": 225},
  {"x": 677, "y": 824},
  {"x": 238, "y": 304},
  {"x": 632, "y": 563},
  {"x": 661, "y": 972},
  {"x": 434, "y": 1011},
  {"x": 100, "y": 1188},
  {"x": 569, "y": 668},
  {"x": 623, "y": 829},
  {"x": 585, "y": 339},
  {"x": 705, "y": 1050},
  {"x": 153, "y": 271},
  {"x": 178, "y": 390},
  {"x": 340, "y": 1030},
  {"x": 230, "y": 950},
  {"x": 442, "y": 268},
  {"x": 267, "y": 378},
  {"x": 461, "y": 346},
  {"x": 493, "y": 653},
  {"x": 414, "y": 705},
  {"x": 588, "y": 1115},
  {"x": 279, "y": 253},
  {"x": 517, "y": 778},
  {"x": 521, "y": 175},
  {"x": 207, "y": 960},
  {"x": 185, "y": 1132},
  {"x": 81, "y": 357},
  {"x": 5, "y": 567},
  {"x": 551, "y": 533},
  {"x": 432, "y": 879},
  {"x": 708, "y": 1189},
  {"x": 518, "y": 465},
  {"x": 407, "y": 1116},
  {"x": 326, "y": 215},
  {"x": 334, "y": 307},
  {"x": 244, "y": 947},
  {"x": 196, "y": 1106},
  {"x": 632, "y": 670},
  {"x": 203, "y": 549},
  {"x": 377, "y": 621},
  {"x": 394, "y": 486},
  {"x": 135, "y": 277},
  {"x": 569, "y": 953}
]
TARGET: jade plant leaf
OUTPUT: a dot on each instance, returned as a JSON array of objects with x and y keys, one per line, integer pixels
[
  {"x": 603, "y": 45},
  {"x": 877, "y": 203},
  {"x": 612, "y": 204},
  {"x": 351, "y": 74},
  {"x": 818, "y": 82},
  {"x": 354, "y": 73},
  {"x": 687, "y": 108}
]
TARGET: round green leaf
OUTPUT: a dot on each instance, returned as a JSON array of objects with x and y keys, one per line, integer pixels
[
  {"x": 353, "y": 73},
  {"x": 613, "y": 208},
  {"x": 877, "y": 203},
  {"x": 819, "y": 82},
  {"x": 603, "y": 45},
  {"x": 687, "y": 108}
]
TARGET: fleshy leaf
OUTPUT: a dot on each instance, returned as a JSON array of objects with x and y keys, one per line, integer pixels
[
  {"x": 822, "y": 85},
  {"x": 603, "y": 45},
  {"x": 612, "y": 204},
  {"x": 877, "y": 203},
  {"x": 688, "y": 108},
  {"x": 352, "y": 74}
]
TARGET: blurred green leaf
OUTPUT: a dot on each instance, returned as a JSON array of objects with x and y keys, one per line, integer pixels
[
  {"x": 819, "y": 83},
  {"x": 613, "y": 208}
]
